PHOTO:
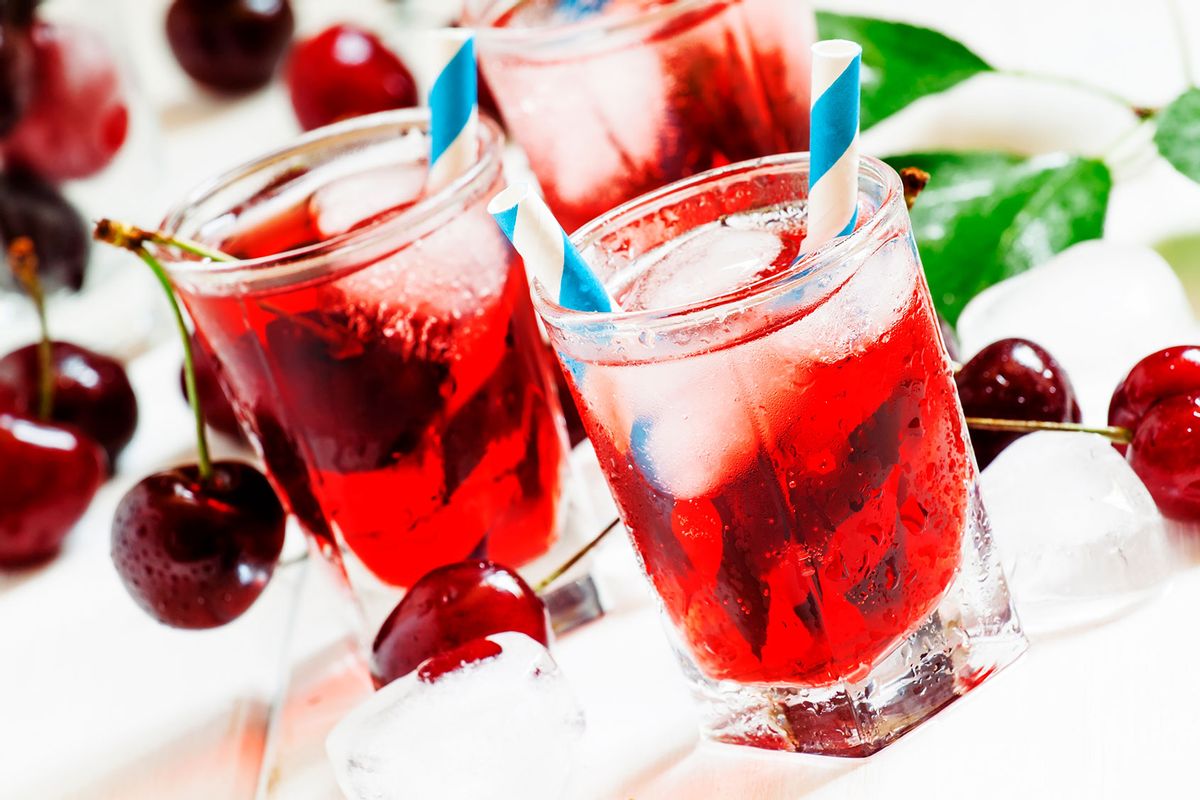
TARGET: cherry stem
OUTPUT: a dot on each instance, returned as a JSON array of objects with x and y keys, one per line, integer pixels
[
  {"x": 573, "y": 560},
  {"x": 1110, "y": 432},
  {"x": 22, "y": 260},
  {"x": 189, "y": 363},
  {"x": 134, "y": 239},
  {"x": 130, "y": 237},
  {"x": 914, "y": 180}
]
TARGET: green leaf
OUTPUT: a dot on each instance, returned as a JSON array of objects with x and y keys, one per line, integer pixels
[
  {"x": 987, "y": 216},
  {"x": 901, "y": 63},
  {"x": 1178, "y": 134}
]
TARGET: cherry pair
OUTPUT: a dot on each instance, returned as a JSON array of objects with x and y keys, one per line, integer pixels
[
  {"x": 65, "y": 415},
  {"x": 1013, "y": 386}
]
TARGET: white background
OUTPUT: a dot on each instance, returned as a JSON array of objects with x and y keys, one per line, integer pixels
[{"x": 98, "y": 701}]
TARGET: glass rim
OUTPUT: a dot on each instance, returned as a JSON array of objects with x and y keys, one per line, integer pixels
[
  {"x": 567, "y": 34},
  {"x": 302, "y": 260},
  {"x": 810, "y": 264}
]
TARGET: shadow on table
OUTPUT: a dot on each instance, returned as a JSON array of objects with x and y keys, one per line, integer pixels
[
  {"x": 714, "y": 771},
  {"x": 322, "y": 689},
  {"x": 219, "y": 757},
  {"x": 12, "y": 578}
]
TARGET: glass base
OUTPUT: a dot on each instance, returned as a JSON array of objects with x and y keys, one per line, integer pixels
[{"x": 971, "y": 635}]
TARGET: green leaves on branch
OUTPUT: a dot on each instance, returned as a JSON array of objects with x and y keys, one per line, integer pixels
[
  {"x": 1178, "y": 134},
  {"x": 987, "y": 216},
  {"x": 901, "y": 63}
]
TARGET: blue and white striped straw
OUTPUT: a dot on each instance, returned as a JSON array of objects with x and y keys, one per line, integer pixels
[
  {"x": 453, "y": 106},
  {"x": 582, "y": 8},
  {"x": 833, "y": 173},
  {"x": 549, "y": 256}
]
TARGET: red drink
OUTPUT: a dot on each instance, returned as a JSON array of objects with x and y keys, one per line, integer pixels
[
  {"x": 396, "y": 388},
  {"x": 782, "y": 434},
  {"x": 612, "y": 103},
  {"x": 835, "y": 531}
]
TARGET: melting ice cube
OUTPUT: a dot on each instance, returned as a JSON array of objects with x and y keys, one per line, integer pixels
[
  {"x": 1072, "y": 522},
  {"x": 706, "y": 262},
  {"x": 505, "y": 726}
]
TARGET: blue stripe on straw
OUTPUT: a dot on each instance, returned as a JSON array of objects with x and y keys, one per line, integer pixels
[
  {"x": 639, "y": 448},
  {"x": 849, "y": 229},
  {"x": 507, "y": 220},
  {"x": 582, "y": 8},
  {"x": 580, "y": 289},
  {"x": 834, "y": 123},
  {"x": 452, "y": 99}
]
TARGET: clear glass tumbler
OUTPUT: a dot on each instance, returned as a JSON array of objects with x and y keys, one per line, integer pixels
[
  {"x": 782, "y": 434},
  {"x": 381, "y": 351},
  {"x": 631, "y": 95}
]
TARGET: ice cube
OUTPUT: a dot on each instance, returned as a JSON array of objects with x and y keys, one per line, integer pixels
[
  {"x": 505, "y": 726},
  {"x": 347, "y": 203},
  {"x": 1072, "y": 522},
  {"x": 707, "y": 262},
  {"x": 1098, "y": 307},
  {"x": 622, "y": 126},
  {"x": 688, "y": 422}
]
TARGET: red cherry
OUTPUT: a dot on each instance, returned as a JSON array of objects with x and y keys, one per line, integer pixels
[
  {"x": 91, "y": 392},
  {"x": 1165, "y": 454},
  {"x": 77, "y": 119},
  {"x": 33, "y": 208},
  {"x": 1175, "y": 370},
  {"x": 197, "y": 554},
  {"x": 344, "y": 72},
  {"x": 48, "y": 476},
  {"x": 16, "y": 72},
  {"x": 470, "y": 653},
  {"x": 451, "y": 606},
  {"x": 218, "y": 411},
  {"x": 1013, "y": 379},
  {"x": 230, "y": 45}
]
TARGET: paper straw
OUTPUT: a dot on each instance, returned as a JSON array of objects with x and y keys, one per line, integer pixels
[
  {"x": 549, "y": 256},
  {"x": 454, "y": 107},
  {"x": 582, "y": 8},
  {"x": 833, "y": 174}
]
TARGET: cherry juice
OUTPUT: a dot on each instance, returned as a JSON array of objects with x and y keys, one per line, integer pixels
[
  {"x": 400, "y": 398},
  {"x": 796, "y": 495}
]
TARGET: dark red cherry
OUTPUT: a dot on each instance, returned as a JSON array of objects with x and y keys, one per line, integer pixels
[
  {"x": 31, "y": 207},
  {"x": 49, "y": 474},
  {"x": 77, "y": 118},
  {"x": 470, "y": 653},
  {"x": 16, "y": 72},
  {"x": 1165, "y": 454},
  {"x": 1013, "y": 379},
  {"x": 197, "y": 554},
  {"x": 1175, "y": 370},
  {"x": 91, "y": 392},
  {"x": 218, "y": 411},
  {"x": 451, "y": 606},
  {"x": 345, "y": 72},
  {"x": 230, "y": 45},
  {"x": 19, "y": 12}
]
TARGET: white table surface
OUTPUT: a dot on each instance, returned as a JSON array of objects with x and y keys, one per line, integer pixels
[{"x": 96, "y": 700}]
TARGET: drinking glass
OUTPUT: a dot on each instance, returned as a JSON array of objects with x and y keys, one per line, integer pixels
[
  {"x": 781, "y": 431},
  {"x": 380, "y": 350},
  {"x": 629, "y": 95}
]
